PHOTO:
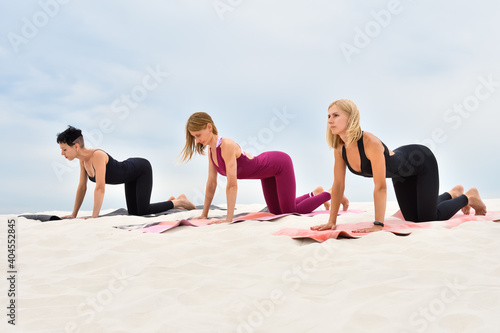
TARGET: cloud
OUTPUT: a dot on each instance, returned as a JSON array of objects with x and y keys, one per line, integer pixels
[{"x": 262, "y": 57}]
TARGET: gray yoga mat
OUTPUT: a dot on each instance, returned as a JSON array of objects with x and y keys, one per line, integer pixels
[{"x": 118, "y": 212}]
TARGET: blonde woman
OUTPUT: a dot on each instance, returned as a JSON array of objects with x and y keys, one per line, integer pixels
[
  {"x": 413, "y": 169},
  {"x": 273, "y": 168}
]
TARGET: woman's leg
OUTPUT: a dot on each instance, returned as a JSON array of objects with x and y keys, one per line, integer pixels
[
  {"x": 310, "y": 203},
  {"x": 448, "y": 201},
  {"x": 286, "y": 189},
  {"x": 418, "y": 185},
  {"x": 428, "y": 189},
  {"x": 130, "y": 198},
  {"x": 406, "y": 195},
  {"x": 280, "y": 187},
  {"x": 473, "y": 199},
  {"x": 318, "y": 190},
  {"x": 444, "y": 196},
  {"x": 303, "y": 197},
  {"x": 271, "y": 195},
  {"x": 279, "y": 190},
  {"x": 430, "y": 206},
  {"x": 143, "y": 188},
  {"x": 428, "y": 186},
  {"x": 448, "y": 208}
]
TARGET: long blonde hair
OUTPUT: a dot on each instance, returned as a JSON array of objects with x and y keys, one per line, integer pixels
[
  {"x": 196, "y": 122},
  {"x": 354, "y": 132}
]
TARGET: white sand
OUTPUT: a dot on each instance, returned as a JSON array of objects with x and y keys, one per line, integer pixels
[{"x": 85, "y": 276}]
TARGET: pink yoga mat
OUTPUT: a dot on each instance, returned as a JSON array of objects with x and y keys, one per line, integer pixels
[
  {"x": 396, "y": 226},
  {"x": 167, "y": 225},
  {"x": 159, "y": 227}
]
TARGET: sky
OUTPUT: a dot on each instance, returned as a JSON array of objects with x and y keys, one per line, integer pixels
[{"x": 130, "y": 73}]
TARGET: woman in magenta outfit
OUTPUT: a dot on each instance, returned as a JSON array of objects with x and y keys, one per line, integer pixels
[{"x": 273, "y": 168}]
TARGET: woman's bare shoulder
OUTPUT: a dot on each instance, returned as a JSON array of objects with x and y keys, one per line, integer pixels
[
  {"x": 228, "y": 144},
  {"x": 371, "y": 142}
]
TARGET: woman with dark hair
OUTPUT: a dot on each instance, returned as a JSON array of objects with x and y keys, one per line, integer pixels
[{"x": 101, "y": 168}]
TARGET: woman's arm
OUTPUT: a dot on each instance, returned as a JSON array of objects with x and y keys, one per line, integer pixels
[
  {"x": 229, "y": 149},
  {"x": 99, "y": 162},
  {"x": 210, "y": 188},
  {"x": 374, "y": 150},
  {"x": 80, "y": 192},
  {"x": 337, "y": 194}
]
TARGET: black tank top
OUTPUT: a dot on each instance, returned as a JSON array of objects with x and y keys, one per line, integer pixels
[
  {"x": 392, "y": 163},
  {"x": 118, "y": 172}
]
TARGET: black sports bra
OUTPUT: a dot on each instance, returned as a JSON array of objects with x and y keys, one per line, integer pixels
[{"x": 391, "y": 162}]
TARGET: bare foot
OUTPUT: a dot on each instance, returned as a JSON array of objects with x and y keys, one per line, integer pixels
[
  {"x": 475, "y": 201},
  {"x": 182, "y": 202},
  {"x": 456, "y": 191},
  {"x": 171, "y": 198},
  {"x": 319, "y": 190}
]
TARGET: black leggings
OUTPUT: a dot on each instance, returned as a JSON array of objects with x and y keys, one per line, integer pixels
[
  {"x": 138, "y": 191},
  {"x": 417, "y": 188}
]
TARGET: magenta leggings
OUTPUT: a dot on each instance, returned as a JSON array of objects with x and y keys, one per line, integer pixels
[
  {"x": 279, "y": 189},
  {"x": 275, "y": 170}
]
